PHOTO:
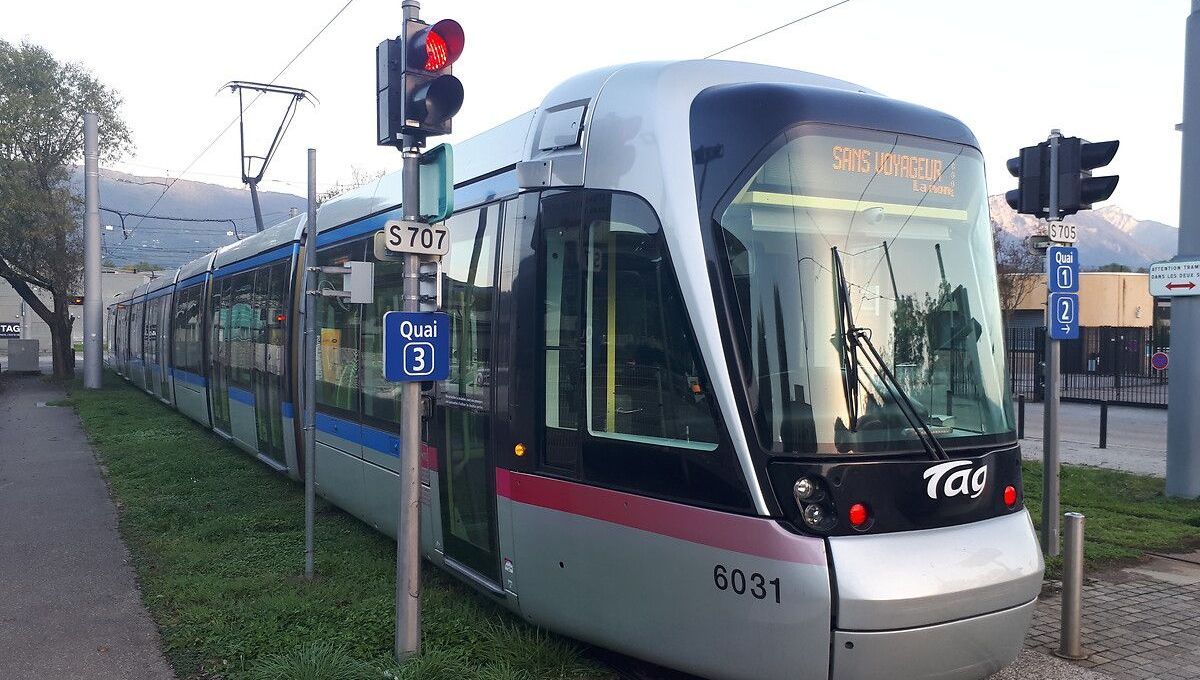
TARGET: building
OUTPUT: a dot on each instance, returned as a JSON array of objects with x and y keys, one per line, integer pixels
[
  {"x": 1106, "y": 300},
  {"x": 13, "y": 308}
]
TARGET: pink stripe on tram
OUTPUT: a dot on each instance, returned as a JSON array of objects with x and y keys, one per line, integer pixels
[{"x": 738, "y": 533}]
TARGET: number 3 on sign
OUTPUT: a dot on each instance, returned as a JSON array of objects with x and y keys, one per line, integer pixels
[{"x": 416, "y": 238}]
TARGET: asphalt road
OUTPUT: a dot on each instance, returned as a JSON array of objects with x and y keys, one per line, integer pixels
[
  {"x": 1137, "y": 437},
  {"x": 69, "y": 602}
]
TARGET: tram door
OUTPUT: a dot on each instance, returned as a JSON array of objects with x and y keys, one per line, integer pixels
[{"x": 462, "y": 425}]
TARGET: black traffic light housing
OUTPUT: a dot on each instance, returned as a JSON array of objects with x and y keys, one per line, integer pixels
[
  {"x": 1032, "y": 170},
  {"x": 1077, "y": 189},
  {"x": 416, "y": 91}
]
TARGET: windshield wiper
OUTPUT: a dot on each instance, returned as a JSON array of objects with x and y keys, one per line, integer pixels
[{"x": 855, "y": 338}]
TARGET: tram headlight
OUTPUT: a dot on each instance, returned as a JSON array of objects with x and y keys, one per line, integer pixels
[
  {"x": 817, "y": 516},
  {"x": 807, "y": 490}
]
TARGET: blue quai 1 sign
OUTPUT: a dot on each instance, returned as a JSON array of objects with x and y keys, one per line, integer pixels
[{"x": 416, "y": 346}]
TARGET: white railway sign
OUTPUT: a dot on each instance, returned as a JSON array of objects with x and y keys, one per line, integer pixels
[
  {"x": 1061, "y": 232},
  {"x": 1174, "y": 279}
]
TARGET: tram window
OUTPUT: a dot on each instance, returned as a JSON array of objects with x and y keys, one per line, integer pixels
[
  {"x": 337, "y": 324},
  {"x": 467, "y": 280},
  {"x": 241, "y": 317},
  {"x": 641, "y": 378},
  {"x": 186, "y": 334},
  {"x": 381, "y": 398}
]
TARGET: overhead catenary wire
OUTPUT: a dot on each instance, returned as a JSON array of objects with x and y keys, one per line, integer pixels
[
  {"x": 231, "y": 123},
  {"x": 778, "y": 28}
]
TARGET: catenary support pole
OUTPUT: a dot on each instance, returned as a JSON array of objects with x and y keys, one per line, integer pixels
[
  {"x": 1070, "y": 644},
  {"x": 408, "y": 527},
  {"x": 1050, "y": 467},
  {"x": 1183, "y": 427},
  {"x": 310, "y": 365},
  {"x": 93, "y": 296}
]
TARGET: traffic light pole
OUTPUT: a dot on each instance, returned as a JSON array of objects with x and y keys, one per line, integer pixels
[
  {"x": 408, "y": 526},
  {"x": 1183, "y": 428},
  {"x": 1050, "y": 465}
]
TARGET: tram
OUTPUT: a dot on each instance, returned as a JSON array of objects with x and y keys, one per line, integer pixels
[{"x": 726, "y": 379}]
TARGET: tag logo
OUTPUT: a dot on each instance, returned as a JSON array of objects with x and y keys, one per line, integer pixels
[{"x": 955, "y": 478}]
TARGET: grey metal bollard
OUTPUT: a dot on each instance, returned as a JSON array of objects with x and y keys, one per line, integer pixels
[{"x": 1070, "y": 644}]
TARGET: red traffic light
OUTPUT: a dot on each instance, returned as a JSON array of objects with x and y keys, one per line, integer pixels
[{"x": 437, "y": 46}]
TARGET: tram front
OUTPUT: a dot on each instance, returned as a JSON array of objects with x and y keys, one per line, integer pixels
[{"x": 851, "y": 248}]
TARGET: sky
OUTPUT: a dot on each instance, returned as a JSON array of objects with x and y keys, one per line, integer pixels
[{"x": 1011, "y": 70}]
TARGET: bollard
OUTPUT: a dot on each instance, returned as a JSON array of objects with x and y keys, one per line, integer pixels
[
  {"x": 1020, "y": 416},
  {"x": 1070, "y": 644},
  {"x": 1104, "y": 424}
]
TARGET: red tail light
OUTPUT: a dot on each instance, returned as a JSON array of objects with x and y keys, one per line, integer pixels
[
  {"x": 1010, "y": 496},
  {"x": 859, "y": 515}
]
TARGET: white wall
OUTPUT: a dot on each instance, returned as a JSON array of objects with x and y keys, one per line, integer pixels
[{"x": 112, "y": 282}]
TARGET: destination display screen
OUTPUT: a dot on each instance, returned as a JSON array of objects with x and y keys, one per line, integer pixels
[{"x": 880, "y": 168}]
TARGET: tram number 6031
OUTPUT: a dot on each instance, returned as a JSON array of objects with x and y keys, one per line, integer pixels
[{"x": 737, "y": 580}]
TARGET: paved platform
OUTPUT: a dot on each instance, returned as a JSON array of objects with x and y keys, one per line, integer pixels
[
  {"x": 69, "y": 601},
  {"x": 1139, "y": 622}
]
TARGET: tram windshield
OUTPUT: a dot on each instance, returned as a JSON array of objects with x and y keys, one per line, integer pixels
[{"x": 905, "y": 220}]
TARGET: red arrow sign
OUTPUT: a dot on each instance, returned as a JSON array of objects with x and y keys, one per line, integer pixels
[{"x": 1189, "y": 285}]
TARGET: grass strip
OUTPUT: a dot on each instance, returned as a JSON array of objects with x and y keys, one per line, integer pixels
[
  {"x": 1128, "y": 515},
  {"x": 218, "y": 543}
]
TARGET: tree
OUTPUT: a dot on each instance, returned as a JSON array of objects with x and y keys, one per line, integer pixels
[
  {"x": 1016, "y": 270},
  {"x": 358, "y": 178},
  {"x": 1114, "y": 267},
  {"x": 42, "y": 102}
]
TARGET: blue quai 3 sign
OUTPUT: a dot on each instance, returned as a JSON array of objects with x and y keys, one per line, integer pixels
[{"x": 416, "y": 346}]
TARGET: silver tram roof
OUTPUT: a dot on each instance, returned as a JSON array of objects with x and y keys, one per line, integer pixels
[
  {"x": 580, "y": 135},
  {"x": 570, "y": 139}
]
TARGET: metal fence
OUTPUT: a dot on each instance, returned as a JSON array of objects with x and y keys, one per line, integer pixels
[{"x": 1104, "y": 364}]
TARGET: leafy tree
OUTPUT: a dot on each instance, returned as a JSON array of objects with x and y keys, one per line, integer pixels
[
  {"x": 1114, "y": 267},
  {"x": 42, "y": 102},
  {"x": 1016, "y": 270}
]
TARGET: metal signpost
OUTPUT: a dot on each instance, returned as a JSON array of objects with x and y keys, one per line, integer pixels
[
  {"x": 416, "y": 98},
  {"x": 1183, "y": 427},
  {"x": 310, "y": 366},
  {"x": 1055, "y": 180}
]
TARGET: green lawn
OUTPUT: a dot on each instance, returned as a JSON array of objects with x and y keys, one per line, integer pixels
[
  {"x": 1127, "y": 514},
  {"x": 218, "y": 543}
]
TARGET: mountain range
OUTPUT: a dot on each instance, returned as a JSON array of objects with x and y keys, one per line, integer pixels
[
  {"x": 1106, "y": 235},
  {"x": 168, "y": 242}
]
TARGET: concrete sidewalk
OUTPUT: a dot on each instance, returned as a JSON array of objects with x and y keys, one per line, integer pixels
[{"x": 69, "y": 601}]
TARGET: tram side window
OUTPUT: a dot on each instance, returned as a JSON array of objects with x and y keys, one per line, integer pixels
[
  {"x": 337, "y": 323},
  {"x": 614, "y": 310},
  {"x": 241, "y": 318},
  {"x": 381, "y": 398},
  {"x": 186, "y": 332}
]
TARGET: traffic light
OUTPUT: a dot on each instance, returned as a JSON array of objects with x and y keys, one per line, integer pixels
[
  {"x": 1077, "y": 189},
  {"x": 416, "y": 91},
  {"x": 1032, "y": 170}
]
